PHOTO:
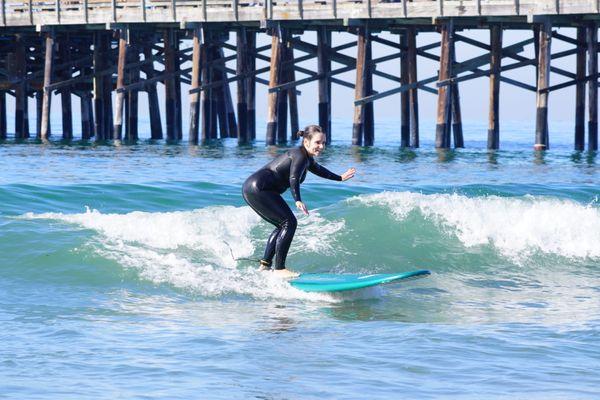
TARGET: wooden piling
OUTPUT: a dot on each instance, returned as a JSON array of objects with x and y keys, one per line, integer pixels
[
  {"x": 369, "y": 118},
  {"x": 324, "y": 68},
  {"x": 282, "y": 98},
  {"x": 47, "y": 97},
  {"x": 442, "y": 132},
  {"x": 64, "y": 54},
  {"x": 251, "y": 88},
  {"x": 272, "y": 100},
  {"x": 493, "y": 141},
  {"x": 172, "y": 85},
  {"x": 86, "y": 122},
  {"x": 413, "y": 94},
  {"x": 291, "y": 94},
  {"x": 543, "y": 82},
  {"x": 230, "y": 110},
  {"x": 133, "y": 57},
  {"x": 195, "y": 96},
  {"x": 120, "y": 96},
  {"x": 39, "y": 106},
  {"x": 213, "y": 93},
  {"x": 205, "y": 105},
  {"x": 242, "y": 86},
  {"x": 227, "y": 99},
  {"x": 3, "y": 133},
  {"x": 360, "y": 85},
  {"x": 156, "y": 132},
  {"x": 108, "y": 84},
  {"x": 579, "y": 142},
  {"x": 592, "y": 41},
  {"x": 86, "y": 93},
  {"x": 18, "y": 66},
  {"x": 219, "y": 75},
  {"x": 457, "y": 130},
  {"x": 404, "y": 96},
  {"x": 99, "y": 63}
]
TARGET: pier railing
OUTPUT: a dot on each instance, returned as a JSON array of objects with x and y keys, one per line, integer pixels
[{"x": 58, "y": 12}]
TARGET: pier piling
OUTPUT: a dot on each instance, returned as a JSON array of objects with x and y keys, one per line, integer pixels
[
  {"x": 93, "y": 52},
  {"x": 442, "y": 131},
  {"x": 592, "y": 41},
  {"x": 580, "y": 89},
  {"x": 543, "y": 82},
  {"x": 493, "y": 141}
]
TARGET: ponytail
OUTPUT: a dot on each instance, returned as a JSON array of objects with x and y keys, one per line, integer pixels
[{"x": 309, "y": 131}]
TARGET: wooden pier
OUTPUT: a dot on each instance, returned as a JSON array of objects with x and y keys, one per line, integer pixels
[{"x": 105, "y": 52}]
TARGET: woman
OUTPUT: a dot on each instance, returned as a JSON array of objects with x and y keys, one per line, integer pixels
[{"x": 262, "y": 191}]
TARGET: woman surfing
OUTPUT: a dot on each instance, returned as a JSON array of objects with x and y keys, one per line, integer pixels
[{"x": 263, "y": 189}]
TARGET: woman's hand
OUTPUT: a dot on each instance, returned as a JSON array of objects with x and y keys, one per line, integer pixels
[
  {"x": 300, "y": 205},
  {"x": 348, "y": 174}
]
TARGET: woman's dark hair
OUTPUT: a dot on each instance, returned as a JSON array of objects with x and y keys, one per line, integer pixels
[{"x": 309, "y": 131}]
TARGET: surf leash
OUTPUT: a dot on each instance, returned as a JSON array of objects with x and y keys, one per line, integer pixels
[{"x": 241, "y": 258}]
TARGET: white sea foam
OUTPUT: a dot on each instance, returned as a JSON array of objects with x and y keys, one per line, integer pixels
[
  {"x": 516, "y": 226},
  {"x": 191, "y": 249}
]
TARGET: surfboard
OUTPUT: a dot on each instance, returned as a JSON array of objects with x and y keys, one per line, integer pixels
[{"x": 343, "y": 282}]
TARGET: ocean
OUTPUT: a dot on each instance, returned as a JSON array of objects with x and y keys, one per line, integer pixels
[{"x": 118, "y": 277}]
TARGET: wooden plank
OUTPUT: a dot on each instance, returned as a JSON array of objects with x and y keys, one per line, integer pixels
[{"x": 515, "y": 56}]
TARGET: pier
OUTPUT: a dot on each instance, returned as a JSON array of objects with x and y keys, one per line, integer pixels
[{"x": 106, "y": 52}]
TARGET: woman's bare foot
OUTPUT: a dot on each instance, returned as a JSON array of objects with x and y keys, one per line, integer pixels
[
  {"x": 264, "y": 266},
  {"x": 285, "y": 273}
]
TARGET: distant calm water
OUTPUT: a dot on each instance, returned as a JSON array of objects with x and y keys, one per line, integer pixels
[{"x": 117, "y": 281}]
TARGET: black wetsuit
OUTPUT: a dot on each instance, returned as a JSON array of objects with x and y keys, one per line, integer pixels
[{"x": 262, "y": 191}]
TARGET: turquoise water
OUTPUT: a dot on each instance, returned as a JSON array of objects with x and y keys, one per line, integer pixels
[{"x": 117, "y": 280}]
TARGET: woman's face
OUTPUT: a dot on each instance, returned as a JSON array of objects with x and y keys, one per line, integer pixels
[{"x": 315, "y": 146}]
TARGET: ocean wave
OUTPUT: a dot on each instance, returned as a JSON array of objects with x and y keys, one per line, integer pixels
[
  {"x": 516, "y": 226},
  {"x": 195, "y": 250}
]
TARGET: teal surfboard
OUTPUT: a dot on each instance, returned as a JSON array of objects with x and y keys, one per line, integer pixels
[{"x": 342, "y": 282}]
